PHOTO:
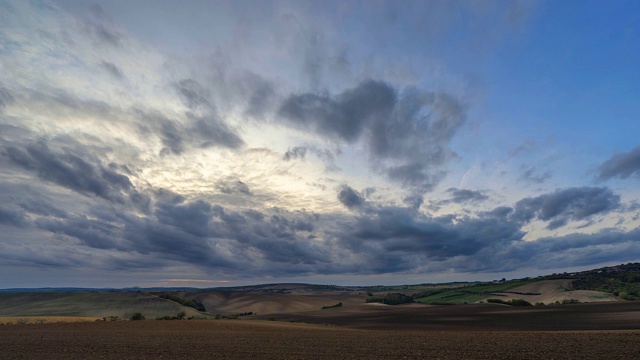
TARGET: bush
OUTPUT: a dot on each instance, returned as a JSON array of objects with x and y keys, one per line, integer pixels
[
  {"x": 137, "y": 316},
  {"x": 391, "y": 299},
  {"x": 514, "y": 302},
  {"x": 332, "y": 306},
  {"x": 180, "y": 316},
  {"x": 519, "y": 302},
  {"x": 570, "y": 301},
  {"x": 186, "y": 302}
]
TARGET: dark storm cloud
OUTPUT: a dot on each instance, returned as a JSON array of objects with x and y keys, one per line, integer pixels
[
  {"x": 12, "y": 215},
  {"x": 194, "y": 232},
  {"x": 405, "y": 231},
  {"x": 461, "y": 196},
  {"x": 571, "y": 250},
  {"x": 112, "y": 69},
  {"x": 67, "y": 169},
  {"x": 344, "y": 116},
  {"x": 406, "y": 134},
  {"x": 349, "y": 197},
  {"x": 212, "y": 232},
  {"x": 568, "y": 204},
  {"x": 623, "y": 165},
  {"x": 97, "y": 233},
  {"x": 42, "y": 207}
]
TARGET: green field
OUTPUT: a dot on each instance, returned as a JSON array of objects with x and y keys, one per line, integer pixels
[{"x": 466, "y": 294}]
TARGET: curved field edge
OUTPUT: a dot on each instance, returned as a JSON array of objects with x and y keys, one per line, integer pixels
[{"x": 534, "y": 291}]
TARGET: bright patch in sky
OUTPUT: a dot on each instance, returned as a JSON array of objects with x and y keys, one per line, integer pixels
[{"x": 234, "y": 142}]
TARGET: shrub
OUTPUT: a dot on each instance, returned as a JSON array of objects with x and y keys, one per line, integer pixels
[
  {"x": 496, "y": 301},
  {"x": 391, "y": 299},
  {"x": 186, "y": 302},
  {"x": 137, "y": 316},
  {"x": 514, "y": 302},
  {"x": 570, "y": 301},
  {"x": 519, "y": 302},
  {"x": 180, "y": 316},
  {"x": 332, "y": 306}
]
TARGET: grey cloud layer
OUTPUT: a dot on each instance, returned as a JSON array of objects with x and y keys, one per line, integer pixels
[{"x": 375, "y": 239}]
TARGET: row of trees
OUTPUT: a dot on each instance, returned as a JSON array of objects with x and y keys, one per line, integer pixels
[{"x": 186, "y": 302}]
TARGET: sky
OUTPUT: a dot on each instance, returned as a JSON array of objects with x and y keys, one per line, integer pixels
[{"x": 220, "y": 143}]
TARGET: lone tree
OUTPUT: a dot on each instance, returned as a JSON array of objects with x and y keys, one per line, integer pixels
[{"x": 137, "y": 316}]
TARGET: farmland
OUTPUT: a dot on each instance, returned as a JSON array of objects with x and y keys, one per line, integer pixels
[
  {"x": 241, "y": 339},
  {"x": 303, "y": 321}
]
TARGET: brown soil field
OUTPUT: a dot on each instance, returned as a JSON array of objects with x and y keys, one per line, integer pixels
[
  {"x": 10, "y": 320},
  {"x": 243, "y": 339},
  {"x": 261, "y": 302},
  {"x": 619, "y": 315}
]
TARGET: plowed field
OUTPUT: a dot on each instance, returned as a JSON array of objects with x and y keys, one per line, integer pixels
[{"x": 242, "y": 339}]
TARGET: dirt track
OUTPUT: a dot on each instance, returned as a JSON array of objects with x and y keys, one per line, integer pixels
[{"x": 241, "y": 339}]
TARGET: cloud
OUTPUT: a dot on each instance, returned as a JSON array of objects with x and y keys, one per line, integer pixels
[
  {"x": 193, "y": 94},
  {"x": 98, "y": 26},
  {"x": 406, "y": 135},
  {"x": 623, "y": 165},
  {"x": 297, "y": 152},
  {"x": 461, "y": 196},
  {"x": 178, "y": 137},
  {"x": 344, "y": 116},
  {"x": 349, "y": 197},
  {"x": 72, "y": 171},
  {"x": 112, "y": 69},
  {"x": 11, "y": 215},
  {"x": 325, "y": 155},
  {"x": 206, "y": 126},
  {"x": 530, "y": 175},
  {"x": 5, "y": 98},
  {"x": 403, "y": 234},
  {"x": 231, "y": 186},
  {"x": 567, "y": 204}
]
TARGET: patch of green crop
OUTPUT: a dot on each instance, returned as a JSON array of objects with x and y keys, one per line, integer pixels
[{"x": 467, "y": 294}]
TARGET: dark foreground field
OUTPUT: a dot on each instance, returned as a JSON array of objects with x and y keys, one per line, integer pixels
[
  {"x": 477, "y": 317},
  {"x": 479, "y": 331},
  {"x": 242, "y": 339}
]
